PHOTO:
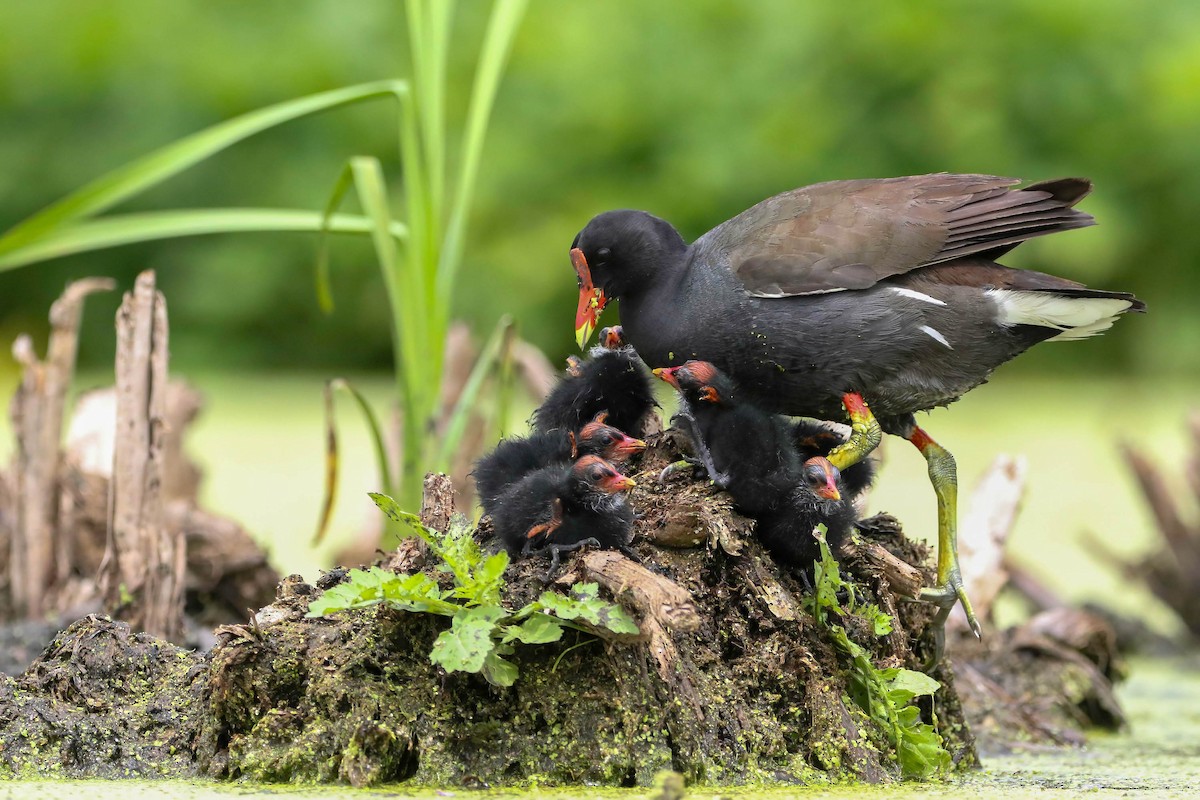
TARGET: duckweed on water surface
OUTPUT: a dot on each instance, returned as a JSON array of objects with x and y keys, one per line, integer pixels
[{"x": 1159, "y": 759}]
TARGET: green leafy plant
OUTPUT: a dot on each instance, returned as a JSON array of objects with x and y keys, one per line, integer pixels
[
  {"x": 420, "y": 255},
  {"x": 482, "y": 630},
  {"x": 886, "y": 695}
]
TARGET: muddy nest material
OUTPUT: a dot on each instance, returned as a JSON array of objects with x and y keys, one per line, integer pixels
[
  {"x": 731, "y": 681},
  {"x": 739, "y": 685},
  {"x": 102, "y": 702},
  {"x": 1043, "y": 683}
]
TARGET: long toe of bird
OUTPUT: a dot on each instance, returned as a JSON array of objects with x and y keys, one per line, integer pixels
[
  {"x": 684, "y": 466},
  {"x": 556, "y": 552}
]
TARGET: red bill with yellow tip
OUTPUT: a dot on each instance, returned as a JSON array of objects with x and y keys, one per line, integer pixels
[
  {"x": 591, "y": 299},
  {"x": 667, "y": 374},
  {"x": 617, "y": 483},
  {"x": 628, "y": 447}
]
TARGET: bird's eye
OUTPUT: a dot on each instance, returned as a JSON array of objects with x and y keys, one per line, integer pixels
[
  {"x": 606, "y": 438},
  {"x": 815, "y": 475},
  {"x": 603, "y": 252}
]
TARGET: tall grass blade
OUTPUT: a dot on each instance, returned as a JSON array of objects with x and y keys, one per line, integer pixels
[
  {"x": 457, "y": 421},
  {"x": 416, "y": 315},
  {"x": 345, "y": 181},
  {"x": 145, "y": 172},
  {"x": 383, "y": 462},
  {"x": 502, "y": 30},
  {"x": 121, "y": 229},
  {"x": 411, "y": 333},
  {"x": 372, "y": 195},
  {"x": 504, "y": 388},
  {"x": 428, "y": 33},
  {"x": 331, "y": 467}
]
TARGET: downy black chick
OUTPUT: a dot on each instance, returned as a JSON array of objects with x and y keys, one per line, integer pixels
[
  {"x": 748, "y": 451},
  {"x": 561, "y": 508},
  {"x": 609, "y": 380},
  {"x": 818, "y": 498},
  {"x": 516, "y": 457},
  {"x": 814, "y": 437}
]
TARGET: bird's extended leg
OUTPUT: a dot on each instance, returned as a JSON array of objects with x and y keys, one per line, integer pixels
[
  {"x": 943, "y": 475},
  {"x": 865, "y": 433},
  {"x": 687, "y": 423}
]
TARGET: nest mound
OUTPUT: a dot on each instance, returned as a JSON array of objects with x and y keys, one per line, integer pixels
[{"x": 730, "y": 681}]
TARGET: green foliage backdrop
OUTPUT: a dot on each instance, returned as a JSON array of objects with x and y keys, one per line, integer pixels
[{"x": 692, "y": 109}]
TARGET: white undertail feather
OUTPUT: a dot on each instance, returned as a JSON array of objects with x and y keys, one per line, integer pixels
[{"x": 1076, "y": 317}]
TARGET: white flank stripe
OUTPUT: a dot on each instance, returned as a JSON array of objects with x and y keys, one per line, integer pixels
[
  {"x": 936, "y": 335},
  {"x": 924, "y": 298},
  {"x": 1076, "y": 317}
]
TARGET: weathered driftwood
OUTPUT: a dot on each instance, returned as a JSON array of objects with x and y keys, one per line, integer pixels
[
  {"x": 143, "y": 575},
  {"x": 437, "y": 507},
  {"x": 661, "y": 605},
  {"x": 1172, "y": 572},
  {"x": 37, "y": 420},
  {"x": 6, "y": 537},
  {"x": 873, "y": 558},
  {"x": 92, "y": 432},
  {"x": 437, "y": 501},
  {"x": 983, "y": 535}
]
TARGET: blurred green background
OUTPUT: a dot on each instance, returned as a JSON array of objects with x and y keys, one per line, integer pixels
[{"x": 692, "y": 109}]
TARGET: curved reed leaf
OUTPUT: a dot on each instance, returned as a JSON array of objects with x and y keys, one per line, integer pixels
[
  {"x": 121, "y": 229},
  {"x": 150, "y": 170}
]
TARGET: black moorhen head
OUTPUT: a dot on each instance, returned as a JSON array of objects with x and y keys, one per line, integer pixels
[
  {"x": 613, "y": 381},
  {"x": 751, "y": 450},
  {"x": 818, "y": 498},
  {"x": 516, "y": 457},
  {"x": 563, "y": 507},
  {"x": 884, "y": 288}
]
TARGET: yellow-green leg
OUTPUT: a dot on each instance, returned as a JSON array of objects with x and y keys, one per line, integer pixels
[
  {"x": 865, "y": 433},
  {"x": 943, "y": 475}
]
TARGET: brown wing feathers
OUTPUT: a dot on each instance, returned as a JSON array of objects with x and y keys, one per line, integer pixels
[
  {"x": 994, "y": 223},
  {"x": 852, "y": 234}
]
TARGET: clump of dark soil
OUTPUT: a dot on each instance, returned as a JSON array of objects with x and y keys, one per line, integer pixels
[
  {"x": 1043, "y": 683},
  {"x": 105, "y": 703}
]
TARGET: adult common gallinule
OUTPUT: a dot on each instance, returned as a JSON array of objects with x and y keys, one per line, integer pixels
[
  {"x": 561, "y": 508},
  {"x": 881, "y": 288},
  {"x": 514, "y": 458}
]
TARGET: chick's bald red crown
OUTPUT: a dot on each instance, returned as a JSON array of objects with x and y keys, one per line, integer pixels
[{"x": 601, "y": 474}]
